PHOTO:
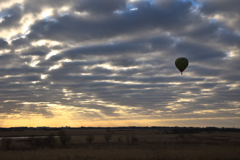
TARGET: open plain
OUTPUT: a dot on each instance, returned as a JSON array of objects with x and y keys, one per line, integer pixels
[{"x": 120, "y": 144}]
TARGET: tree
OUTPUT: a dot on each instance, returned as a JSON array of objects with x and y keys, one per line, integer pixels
[
  {"x": 64, "y": 137},
  {"x": 134, "y": 139},
  {"x": 90, "y": 138},
  {"x": 107, "y": 137}
]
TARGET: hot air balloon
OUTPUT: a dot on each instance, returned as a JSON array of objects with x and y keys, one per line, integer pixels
[{"x": 181, "y": 63}]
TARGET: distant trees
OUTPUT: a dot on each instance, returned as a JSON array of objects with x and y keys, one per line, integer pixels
[
  {"x": 35, "y": 142},
  {"x": 48, "y": 141}
]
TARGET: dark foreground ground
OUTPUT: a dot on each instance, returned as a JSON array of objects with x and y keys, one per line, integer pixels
[{"x": 123, "y": 144}]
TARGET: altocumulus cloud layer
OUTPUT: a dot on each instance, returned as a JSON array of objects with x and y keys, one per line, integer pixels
[{"x": 111, "y": 60}]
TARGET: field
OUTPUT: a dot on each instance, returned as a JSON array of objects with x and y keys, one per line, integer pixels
[{"x": 123, "y": 144}]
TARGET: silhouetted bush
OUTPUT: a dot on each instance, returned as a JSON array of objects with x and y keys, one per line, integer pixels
[
  {"x": 128, "y": 139},
  {"x": 90, "y": 139},
  {"x": 119, "y": 139},
  {"x": 35, "y": 142},
  {"x": 6, "y": 142},
  {"x": 134, "y": 139},
  {"x": 180, "y": 136},
  {"x": 107, "y": 137},
  {"x": 50, "y": 141},
  {"x": 64, "y": 137}
]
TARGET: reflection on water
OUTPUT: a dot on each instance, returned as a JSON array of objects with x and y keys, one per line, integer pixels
[{"x": 26, "y": 137}]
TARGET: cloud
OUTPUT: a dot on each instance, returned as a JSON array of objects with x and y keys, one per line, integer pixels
[
  {"x": 100, "y": 7},
  {"x": 12, "y": 16},
  {"x": 223, "y": 11},
  {"x": 37, "y": 51},
  {"x": 35, "y": 6},
  {"x": 147, "y": 17},
  {"x": 221, "y": 6},
  {"x": 3, "y": 44}
]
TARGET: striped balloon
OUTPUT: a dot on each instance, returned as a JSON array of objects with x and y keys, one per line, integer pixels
[{"x": 181, "y": 63}]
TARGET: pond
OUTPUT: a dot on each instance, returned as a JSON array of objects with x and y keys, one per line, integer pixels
[{"x": 26, "y": 137}]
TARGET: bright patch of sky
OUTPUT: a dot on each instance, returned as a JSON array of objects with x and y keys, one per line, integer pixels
[
  {"x": 130, "y": 7},
  {"x": 195, "y": 3},
  {"x": 213, "y": 20},
  {"x": 3, "y": 14},
  {"x": 47, "y": 15},
  {"x": 133, "y": 9}
]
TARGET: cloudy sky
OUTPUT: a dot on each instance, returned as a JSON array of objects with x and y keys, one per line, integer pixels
[{"x": 112, "y": 63}]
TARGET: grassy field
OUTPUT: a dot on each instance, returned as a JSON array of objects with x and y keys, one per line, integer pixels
[{"x": 123, "y": 145}]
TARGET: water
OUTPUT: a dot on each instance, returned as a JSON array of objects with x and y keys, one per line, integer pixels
[{"x": 26, "y": 137}]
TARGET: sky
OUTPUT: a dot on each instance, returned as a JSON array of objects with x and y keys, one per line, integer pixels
[{"x": 106, "y": 63}]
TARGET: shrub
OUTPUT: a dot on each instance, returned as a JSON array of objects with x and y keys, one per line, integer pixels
[
  {"x": 50, "y": 141},
  {"x": 128, "y": 139},
  {"x": 90, "y": 139},
  {"x": 134, "y": 139},
  {"x": 107, "y": 137},
  {"x": 6, "y": 142},
  {"x": 180, "y": 136},
  {"x": 119, "y": 139},
  {"x": 35, "y": 142},
  {"x": 64, "y": 137}
]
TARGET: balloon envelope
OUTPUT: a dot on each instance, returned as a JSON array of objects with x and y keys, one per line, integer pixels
[{"x": 181, "y": 63}]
